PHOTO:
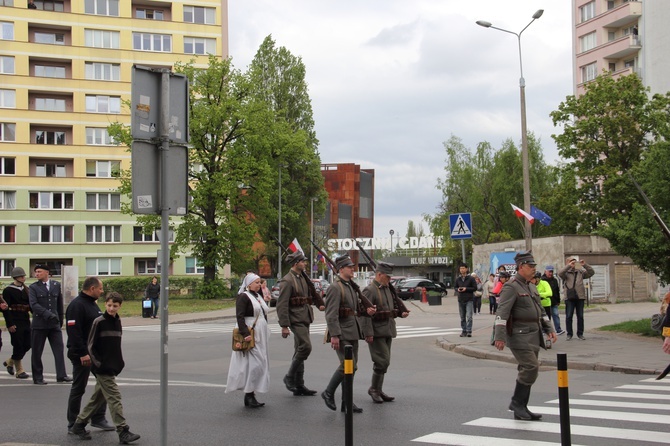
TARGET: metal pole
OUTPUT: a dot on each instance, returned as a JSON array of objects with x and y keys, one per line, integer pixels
[
  {"x": 525, "y": 164},
  {"x": 348, "y": 389},
  {"x": 311, "y": 247},
  {"x": 563, "y": 398},
  {"x": 463, "y": 250},
  {"x": 165, "y": 249},
  {"x": 279, "y": 276}
]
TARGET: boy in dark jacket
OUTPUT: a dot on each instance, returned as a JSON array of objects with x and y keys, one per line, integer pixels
[{"x": 104, "y": 347}]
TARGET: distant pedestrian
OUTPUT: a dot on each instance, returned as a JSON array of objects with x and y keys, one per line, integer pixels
[
  {"x": 544, "y": 289},
  {"x": 465, "y": 287},
  {"x": 477, "y": 295},
  {"x": 520, "y": 325},
  {"x": 17, "y": 319},
  {"x": 549, "y": 277},
  {"x": 488, "y": 292},
  {"x": 575, "y": 293},
  {"x": 153, "y": 293},
  {"x": 104, "y": 347}
]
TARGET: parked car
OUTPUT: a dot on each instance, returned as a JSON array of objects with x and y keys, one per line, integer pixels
[
  {"x": 274, "y": 295},
  {"x": 395, "y": 280},
  {"x": 408, "y": 287}
]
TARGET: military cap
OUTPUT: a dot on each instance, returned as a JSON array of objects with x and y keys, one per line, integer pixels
[
  {"x": 295, "y": 257},
  {"x": 524, "y": 258},
  {"x": 40, "y": 266},
  {"x": 385, "y": 268},
  {"x": 17, "y": 272},
  {"x": 343, "y": 261}
]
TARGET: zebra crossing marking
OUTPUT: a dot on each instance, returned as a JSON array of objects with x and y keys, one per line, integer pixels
[{"x": 472, "y": 440}]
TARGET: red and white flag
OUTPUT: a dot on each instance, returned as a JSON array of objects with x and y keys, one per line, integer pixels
[
  {"x": 295, "y": 246},
  {"x": 521, "y": 213}
]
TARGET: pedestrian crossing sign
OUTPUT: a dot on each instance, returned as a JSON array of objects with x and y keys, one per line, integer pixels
[{"x": 460, "y": 226}]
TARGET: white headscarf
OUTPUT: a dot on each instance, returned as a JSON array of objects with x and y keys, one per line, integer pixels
[{"x": 248, "y": 279}]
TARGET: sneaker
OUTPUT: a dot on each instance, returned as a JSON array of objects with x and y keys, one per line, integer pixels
[
  {"x": 560, "y": 332},
  {"x": 569, "y": 337},
  {"x": 462, "y": 335},
  {"x": 79, "y": 430},
  {"x": 469, "y": 335},
  {"x": 127, "y": 437},
  {"x": 104, "y": 425},
  {"x": 581, "y": 337}
]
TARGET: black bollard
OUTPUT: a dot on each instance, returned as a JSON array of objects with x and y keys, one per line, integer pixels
[
  {"x": 348, "y": 389},
  {"x": 563, "y": 398}
]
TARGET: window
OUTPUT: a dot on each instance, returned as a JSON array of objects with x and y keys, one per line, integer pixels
[
  {"x": 103, "y": 169},
  {"x": 6, "y": 2},
  {"x": 588, "y": 41},
  {"x": 148, "y": 266},
  {"x": 49, "y": 104},
  {"x": 49, "y": 5},
  {"x": 50, "y": 234},
  {"x": 7, "y": 132},
  {"x": 629, "y": 63},
  {"x": 610, "y": 4},
  {"x": 7, "y": 199},
  {"x": 589, "y": 72},
  {"x": 7, "y": 234},
  {"x": 98, "y": 137},
  {"x": 138, "y": 236},
  {"x": 50, "y": 38},
  {"x": 51, "y": 200},
  {"x": 153, "y": 14},
  {"x": 102, "y": 7},
  {"x": 7, "y": 166},
  {"x": 195, "y": 45},
  {"x": 588, "y": 11},
  {"x": 6, "y": 31},
  {"x": 193, "y": 266},
  {"x": 49, "y": 71},
  {"x": 7, "y": 98},
  {"x": 103, "y": 234},
  {"x": 103, "y": 267},
  {"x": 103, "y": 104},
  {"x": 6, "y": 266},
  {"x": 152, "y": 42},
  {"x": 103, "y": 71},
  {"x": 48, "y": 137},
  {"x": 6, "y": 64},
  {"x": 50, "y": 170},
  {"x": 103, "y": 202},
  {"x": 97, "y": 38},
  {"x": 198, "y": 14}
]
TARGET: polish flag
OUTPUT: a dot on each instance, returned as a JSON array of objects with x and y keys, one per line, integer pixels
[
  {"x": 521, "y": 213},
  {"x": 295, "y": 246}
]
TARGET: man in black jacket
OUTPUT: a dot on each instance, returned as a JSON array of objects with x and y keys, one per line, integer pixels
[
  {"x": 80, "y": 314},
  {"x": 465, "y": 287},
  {"x": 548, "y": 276}
]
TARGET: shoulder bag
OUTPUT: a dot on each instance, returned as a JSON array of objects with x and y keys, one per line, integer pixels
[
  {"x": 239, "y": 344},
  {"x": 571, "y": 293}
]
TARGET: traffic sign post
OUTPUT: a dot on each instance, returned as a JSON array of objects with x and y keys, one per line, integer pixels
[{"x": 460, "y": 227}]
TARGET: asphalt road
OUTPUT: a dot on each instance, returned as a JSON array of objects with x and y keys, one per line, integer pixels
[{"x": 439, "y": 394}]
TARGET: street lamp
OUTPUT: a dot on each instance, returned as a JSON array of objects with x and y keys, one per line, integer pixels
[
  {"x": 391, "y": 232},
  {"x": 311, "y": 248},
  {"x": 279, "y": 276},
  {"x": 524, "y": 133}
]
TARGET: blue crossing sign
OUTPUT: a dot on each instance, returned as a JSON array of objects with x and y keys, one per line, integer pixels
[{"x": 460, "y": 226}]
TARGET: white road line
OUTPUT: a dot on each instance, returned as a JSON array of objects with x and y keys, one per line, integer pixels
[
  {"x": 624, "y": 404},
  {"x": 471, "y": 440},
  {"x": 607, "y": 415},
  {"x": 650, "y": 388},
  {"x": 646, "y": 396},
  {"x": 575, "y": 429}
]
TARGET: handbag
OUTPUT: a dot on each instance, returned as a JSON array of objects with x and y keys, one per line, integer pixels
[
  {"x": 571, "y": 293},
  {"x": 239, "y": 344}
]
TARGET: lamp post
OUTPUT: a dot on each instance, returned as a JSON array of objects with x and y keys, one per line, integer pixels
[
  {"x": 524, "y": 133},
  {"x": 311, "y": 248},
  {"x": 391, "y": 232},
  {"x": 279, "y": 276}
]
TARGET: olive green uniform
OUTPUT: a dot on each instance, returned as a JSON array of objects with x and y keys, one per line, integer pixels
[{"x": 383, "y": 327}]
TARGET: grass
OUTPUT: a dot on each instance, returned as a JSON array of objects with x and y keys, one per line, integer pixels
[{"x": 640, "y": 327}]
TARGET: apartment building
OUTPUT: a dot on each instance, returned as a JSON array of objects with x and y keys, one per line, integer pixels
[
  {"x": 65, "y": 74},
  {"x": 622, "y": 37}
]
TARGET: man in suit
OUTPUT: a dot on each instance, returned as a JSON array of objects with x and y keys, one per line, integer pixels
[{"x": 46, "y": 302}]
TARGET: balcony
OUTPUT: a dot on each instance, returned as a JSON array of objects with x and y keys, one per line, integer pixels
[
  {"x": 624, "y": 15},
  {"x": 621, "y": 48}
]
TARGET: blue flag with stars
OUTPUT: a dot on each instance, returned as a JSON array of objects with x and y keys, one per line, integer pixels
[{"x": 540, "y": 215}]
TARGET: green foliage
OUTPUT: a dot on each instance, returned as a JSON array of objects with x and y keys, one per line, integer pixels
[
  {"x": 132, "y": 288},
  {"x": 214, "y": 289},
  {"x": 641, "y": 327}
]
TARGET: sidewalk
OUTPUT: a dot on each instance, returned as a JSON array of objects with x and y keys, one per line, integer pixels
[{"x": 602, "y": 350}]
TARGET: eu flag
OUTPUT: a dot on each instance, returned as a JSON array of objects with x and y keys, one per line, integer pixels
[{"x": 540, "y": 215}]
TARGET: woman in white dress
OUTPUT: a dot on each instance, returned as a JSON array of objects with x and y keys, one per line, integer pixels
[{"x": 250, "y": 371}]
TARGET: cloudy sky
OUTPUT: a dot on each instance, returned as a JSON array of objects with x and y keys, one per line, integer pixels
[{"x": 391, "y": 80}]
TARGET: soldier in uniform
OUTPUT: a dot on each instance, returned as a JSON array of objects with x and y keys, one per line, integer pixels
[
  {"x": 295, "y": 314},
  {"x": 382, "y": 328},
  {"x": 520, "y": 324},
  {"x": 46, "y": 302},
  {"x": 344, "y": 327}
]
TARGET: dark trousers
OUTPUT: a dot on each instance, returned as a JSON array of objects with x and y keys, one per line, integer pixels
[
  {"x": 38, "y": 339},
  {"x": 154, "y": 306},
  {"x": 80, "y": 376},
  {"x": 570, "y": 307},
  {"x": 477, "y": 301},
  {"x": 493, "y": 304},
  {"x": 20, "y": 341}
]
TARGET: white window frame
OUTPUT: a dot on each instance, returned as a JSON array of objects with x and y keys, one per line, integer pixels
[
  {"x": 149, "y": 14},
  {"x": 589, "y": 72},
  {"x": 144, "y": 268},
  {"x": 51, "y": 137},
  {"x": 150, "y": 42},
  {"x": 587, "y": 12},
  {"x": 103, "y": 233},
  {"x": 50, "y": 5},
  {"x": 4, "y": 164},
  {"x": 51, "y": 233},
  {"x": 103, "y": 266},
  {"x": 98, "y": 38},
  {"x": 98, "y": 136},
  {"x": 4, "y": 231},
  {"x": 45, "y": 200},
  {"x": 588, "y": 42},
  {"x": 195, "y": 268},
  {"x": 6, "y": 266},
  {"x": 6, "y": 30},
  {"x": 192, "y": 45},
  {"x": 51, "y": 104},
  {"x": 102, "y": 7},
  {"x": 103, "y": 201},
  {"x": 7, "y": 132},
  {"x": 102, "y": 168},
  {"x": 7, "y": 98},
  {"x": 52, "y": 38},
  {"x": 103, "y": 104},
  {"x": 6, "y": 2},
  {"x": 102, "y": 71},
  {"x": 56, "y": 170},
  {"x": 4, "y": 62},
  {"x": 7, "y": 199},
  {"x": 52, "y": 71},
  {"x": 200, "y": 14}
]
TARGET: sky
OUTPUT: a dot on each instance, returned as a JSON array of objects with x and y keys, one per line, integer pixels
[{"x": 392, "y": 80}]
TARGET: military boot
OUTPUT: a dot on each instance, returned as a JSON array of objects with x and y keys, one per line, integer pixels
[
  {"x": 300, "y": 389},
  {"x": 374, "y": 389},
  {"x": 328, "y": 395},
  {"x": 20, "y": 373},
  {"x": 384, "y": 396},
  {"x": 127, "y": 437},
  {"x": 533, "y": 416},
  {"x": 289, "y": 379},
  {"x": 518, "y": 403}
]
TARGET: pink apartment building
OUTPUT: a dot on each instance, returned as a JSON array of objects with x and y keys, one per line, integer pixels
[{"x": 622, "y": 37}]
